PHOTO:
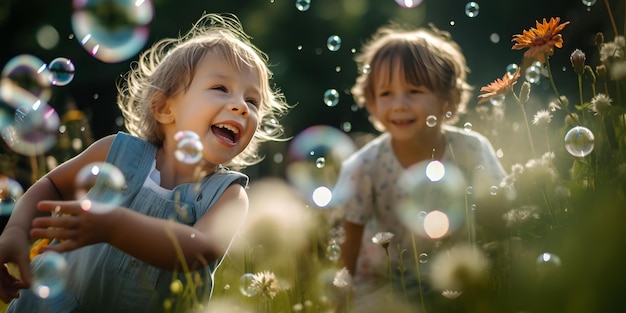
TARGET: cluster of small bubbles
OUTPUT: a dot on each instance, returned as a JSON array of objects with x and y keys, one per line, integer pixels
[
  {"x": 338, "y": 234},
  {"x": 435, "y": 170},
  {"x": 61, "y": 71},
  {"x": 112, "y": 31},
  {"x": 333, "y": 251},
  {"x": 579, "y": 141},
  {"x": 34, "y": 129},
  {"x": 10, "y": 192},
  {"x": 448, "y": 114},
  {"x": 533, "y": 74},
  {"x": 366, "y": 69},
  {"x": 511, "y": 69},
  {"x": 49, "y": 274},
  {"x": 497, "y": 100},
  {"x": 431, "y": 121},
  {"x": 189, "y": 147},
  {"x": 102, "y": 184},
  {"x": 320, "y": 162},
  {"x": 589, "y": 2},
  {"x": 467, "y": 126},
  {"x": 331, "y": 97},
  {"x": 246, "y": 285},
  {"x": 408, "y": 4},
  {"x": 333, "y": 43},
  {"x": 303, "y": 5},
  {"x": 423, "y": 258},
  {"x": 472, "y": 9},
  {"x": 493, "y": 190},
  {"x": 346, "y": 127},
  {"x": 494, "y": 37}
]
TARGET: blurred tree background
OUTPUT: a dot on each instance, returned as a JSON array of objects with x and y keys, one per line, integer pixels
[{"x": 295, "y": 41}]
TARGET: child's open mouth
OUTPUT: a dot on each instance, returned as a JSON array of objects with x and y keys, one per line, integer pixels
[{"x": 226, "y": 132}]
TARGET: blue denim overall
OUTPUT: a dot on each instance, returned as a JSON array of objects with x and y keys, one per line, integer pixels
[{"x": 105, "y": 279}]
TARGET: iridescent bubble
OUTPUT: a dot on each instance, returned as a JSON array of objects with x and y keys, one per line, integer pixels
[
  {"x": 448, "y": 114},
  {"x": 49, "y": 271},
  {"x": 548, "y": 262},
  {"x": 246, "y": 285},
  {"x": 99, "y": 187},
  {"x": 428, "y": 187},
  {"x": 346, "y": 126},
  {"x": 34, "y": 129},
  {"x": 579, "y": 141},
  {"x": 589, "y": 2},
  {"x": 431, "y": 121},
  {"x": 511, "y": 69},
  {"x": 331, "y": 97},
  {"x": 25, "y": 78},
  {"x": 303, "y": 169},
  {"x": 533, "y": 74},
  {"x": 472, "y": 9},
  {"x": 494, "y": 37},
  {"x": 112, "y": 31},
  {"x": 189, "y": 148},
  {"x": 467, "y": 126},
  {"x": 493, "y": 190},
  {"x": 303, "y": 5},
  {"x": 408, "y": 3},
  {"x": 320, "y": 162},
  {"x": 333, "y": 43},
  {"x": 271, "y": 126},
  {"x": 423, "y": 258},
  {"x": 62, "y": 71},
  {"x": 10, "y": 192}
]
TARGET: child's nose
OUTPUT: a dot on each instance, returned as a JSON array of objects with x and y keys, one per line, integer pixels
[{"x": 239, "y": 107}]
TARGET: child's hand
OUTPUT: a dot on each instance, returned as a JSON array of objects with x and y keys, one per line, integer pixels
[
  {"x": 14, "y": 248},
  {"x": 73, "y": 226}
]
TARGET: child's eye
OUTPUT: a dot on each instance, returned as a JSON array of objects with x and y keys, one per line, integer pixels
[
  {"x": 219, "y": 87},
  {"x": 383, "y": 93},
  {"x": 253, "y": 102}
]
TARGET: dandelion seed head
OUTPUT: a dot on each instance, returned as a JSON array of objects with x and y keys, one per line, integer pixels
[
  {"x": 542, "y": 118},
  {"x": 461, "y": 267},
  {"x": 382, "y": 238},
  {"x": 342, "y": 278},
  {"x": 600, "y": 104},
  {"x": 266, "y": 284}
]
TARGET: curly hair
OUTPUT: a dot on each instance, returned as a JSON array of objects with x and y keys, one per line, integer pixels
[
  {"x": 429, "y": 57},
  {"x": 168, "y": 67}
]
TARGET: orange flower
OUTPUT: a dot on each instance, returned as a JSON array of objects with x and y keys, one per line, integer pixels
[
  {"x": 541, "y": 40},
  {"x": 499, "y": 86}
]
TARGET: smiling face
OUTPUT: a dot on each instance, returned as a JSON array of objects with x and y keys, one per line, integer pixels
[
  {"x": 221, "y": 105},
  {"x": 403, "y": 107}
]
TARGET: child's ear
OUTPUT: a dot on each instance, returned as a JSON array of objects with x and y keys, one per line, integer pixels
[{"x": 161, "y": 108}]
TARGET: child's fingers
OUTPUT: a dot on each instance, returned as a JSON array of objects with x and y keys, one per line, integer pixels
[{"x": 59, "y": 207}]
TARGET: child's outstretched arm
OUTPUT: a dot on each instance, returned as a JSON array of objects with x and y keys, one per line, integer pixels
[
  {"x": 152, "y": 240},
  {"x": 58, "y": 184}
]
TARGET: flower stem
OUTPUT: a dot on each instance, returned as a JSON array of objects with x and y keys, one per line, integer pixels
[
  {"x": 608, "y": 9},
  {"x": 419, "y": 276},
  {"x": 556, "y": 91},
  {"x": 530, "y": 137},
  {"x": 389, "y": 270}
]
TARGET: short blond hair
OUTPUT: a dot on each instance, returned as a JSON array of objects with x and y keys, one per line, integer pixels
[
  {"x": 429, "y": 58},
  {"x": 168, "y": 67}
]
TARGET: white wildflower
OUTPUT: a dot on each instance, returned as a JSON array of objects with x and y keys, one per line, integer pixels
[
  {"x": 382, "y": 238},
  {"x": 266, "y": 284},
  {"x": 600, "y": 104},
  {"x": 542, "y": 118},
  {"x": 342, "y": 278},
  {"x": 462, "y": 267}
]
